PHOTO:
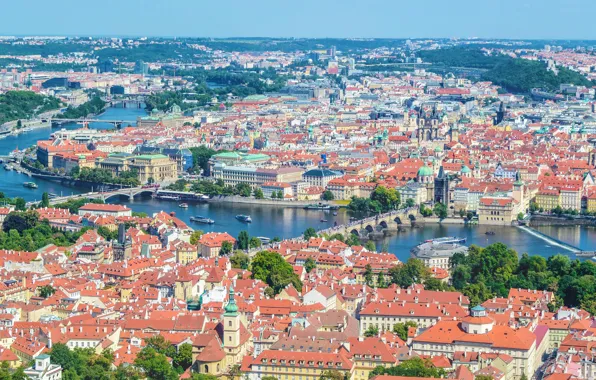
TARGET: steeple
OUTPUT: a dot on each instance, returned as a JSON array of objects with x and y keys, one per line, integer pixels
[{"x": 231, "y": 308}]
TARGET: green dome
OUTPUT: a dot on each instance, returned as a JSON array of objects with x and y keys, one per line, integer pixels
[
  {"x": 425, "y": 171},
  {"x": 465, "y": 170},
  {"x": 438, "y": 149}
]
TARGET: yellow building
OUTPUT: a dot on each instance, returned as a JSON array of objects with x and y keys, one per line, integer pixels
[
  {"x": 548, "y": 199},
  {"x": 497, "y": 210},
  {"x": 591, "y": 203},
  {"x": 157, "y": 167}
]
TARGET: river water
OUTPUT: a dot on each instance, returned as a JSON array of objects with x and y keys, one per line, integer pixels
[{"x": 284, "y": 222}]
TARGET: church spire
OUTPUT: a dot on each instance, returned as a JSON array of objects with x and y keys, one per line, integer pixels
[{"x": 231, "y": 308}]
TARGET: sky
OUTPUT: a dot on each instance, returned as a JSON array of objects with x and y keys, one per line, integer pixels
[{"x": 515, "y": 19}]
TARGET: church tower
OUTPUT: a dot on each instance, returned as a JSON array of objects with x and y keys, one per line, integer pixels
[{"x": 231, "y": 330}]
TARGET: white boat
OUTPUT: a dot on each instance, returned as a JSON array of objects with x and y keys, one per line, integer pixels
[
  {"x": 201, "y": 219},
  {"x": 244, "y": 218}
]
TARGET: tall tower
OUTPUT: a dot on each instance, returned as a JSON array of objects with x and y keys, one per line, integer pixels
[
  {"x": 122, "y": 249},
  {"x": 442, "y": 187},
  {"x": 231, "y": 320},
  {"x": 518, "y": 191}
]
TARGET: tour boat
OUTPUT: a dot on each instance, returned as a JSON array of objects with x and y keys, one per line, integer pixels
[
  {"x": 30, "y": 185},
  {"x": 323, "y": 220},
  {"x": 183, "y": 205},
  {"x": 201, "y": 219},
  {"x": 244, "y": 218},
  {"x": 263, "y": 239}
]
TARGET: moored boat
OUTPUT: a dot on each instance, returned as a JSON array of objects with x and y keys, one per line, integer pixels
[{"x": 183, "y": 205}]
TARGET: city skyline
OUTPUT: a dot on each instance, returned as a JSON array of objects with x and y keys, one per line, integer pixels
[{"x": 506, "y": 19}]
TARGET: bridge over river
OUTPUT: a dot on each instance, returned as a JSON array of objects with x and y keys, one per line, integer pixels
[
  {"x": 129, "y": 192},
  {"x": 377, "y": 225}
]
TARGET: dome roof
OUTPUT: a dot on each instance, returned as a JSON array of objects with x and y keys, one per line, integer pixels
[
  {"x": 465, "y": 169},
  {"x": 425, "y": 171},
  {"x": 438, "y": 149}
]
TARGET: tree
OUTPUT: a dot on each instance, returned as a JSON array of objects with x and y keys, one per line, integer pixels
[
  {"x": 440, "y": 210},
  {"x": 520, "y": 216},
  {"x": 196, "y": 236},
  {"x": 155, "y": 365},
  {"x": 332, "y": 374},
  {"x": 243, "y": 189},
  {"x": 45, "y": 200},
  {"x": 20, "y": 221},
  {"x": 425, "y": 211},
  {"x": 226, "y": 248},
  {"x": 328, "y": 195},
  {"x": 381, "y": 280},
  {"x": 411, "y": 272},
  {"x": 255, "y": 242},
  {"x": 410, "y": 202},
  {"x": 258, "y": 193},
  {"x": 477, "y": 293},
  {"x": 20, "y": 204},
  {"x": 353, "y": 240},
  {"x": 389, "y": 199},
  {"x": 371, "y": 331},
  {"x": 183, "y": 358},
  {"x": 415, "y": 367},
  {"x": 310, "y": 233},
  {"x": 272, "y": 269},
  {"x": 46, "y": 291},
  {"x": 309, "y": 265},
  {"x": 243, "y": 240},
  {"x": 401, "y": 329},
  {"x": 370, "y": 246},
  {"x": 161, "y": 345},
  {"x": 368, "y": 275},
  {"x": 239, "y": 260}
]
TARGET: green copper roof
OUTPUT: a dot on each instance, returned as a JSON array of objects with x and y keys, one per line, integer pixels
[
  {"x": 425, "y": 171},
  {"x": 465, "y": 169},
  {"x": 231, "y": 308}
]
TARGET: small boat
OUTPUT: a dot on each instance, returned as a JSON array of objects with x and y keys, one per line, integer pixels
[
  {"x": 30, "y": 185},
  {"x": 263, "y": 239},
  {"x": 52, "y": 195},
  {"x": 244, "y": 218},
  {"x": 323, "y": 220},
  {"x": 334, "y": 213},
  {"x": 8, "y": 167},
  {"x": 183, "y": 205},
  {"x": 201, "y": 219},
  {"x": 490, "y": 233}
]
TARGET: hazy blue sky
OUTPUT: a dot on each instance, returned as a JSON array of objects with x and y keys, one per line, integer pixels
[{"x": 564, "y": 19}]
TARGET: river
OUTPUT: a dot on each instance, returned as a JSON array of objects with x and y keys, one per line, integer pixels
[{"x": 272, "y": 221}]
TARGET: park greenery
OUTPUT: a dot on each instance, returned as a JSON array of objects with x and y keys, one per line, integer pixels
[
  {"x": 381, "y": 200},
  {"x": 92, "y": 107},
  {"x": 97, "y": 175},
  {"x": 73, "y": 205},
  {"x": 15, "y": 105},
  {"x": 514, "y": 74},
  {"x": 158, "y": 360},
  {"x": 415, "y": 367},
  {"x": 22, "y": 230}
]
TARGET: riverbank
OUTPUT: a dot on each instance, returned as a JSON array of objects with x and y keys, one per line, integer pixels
[
  {"x": 553, "y": 220},
  {"x": 264, "y": 202}
]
